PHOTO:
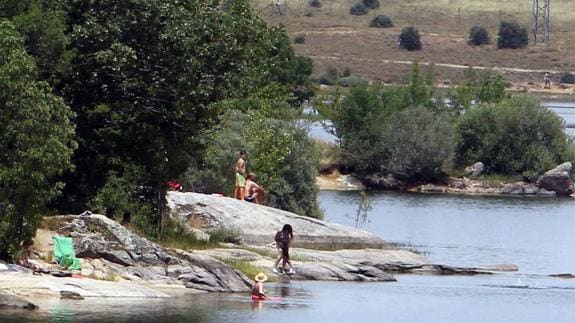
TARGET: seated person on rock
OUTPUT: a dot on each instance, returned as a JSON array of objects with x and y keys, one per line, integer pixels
[{"x": 255, "y": 193}]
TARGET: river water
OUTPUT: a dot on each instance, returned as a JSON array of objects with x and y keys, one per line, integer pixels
[{"x": 536, "y": 234}]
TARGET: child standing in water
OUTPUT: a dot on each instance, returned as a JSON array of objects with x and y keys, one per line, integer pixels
[{"x": 258, "y": 291}]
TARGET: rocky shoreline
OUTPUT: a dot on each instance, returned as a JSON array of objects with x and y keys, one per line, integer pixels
[
  {"x": 555, "y": 182},
  {"x": 116, "y": 262}
]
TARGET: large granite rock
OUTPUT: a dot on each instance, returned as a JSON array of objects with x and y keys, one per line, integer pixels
[
  {"x": 257, "y": 224},
  {"x": 112, "y": 250},
  {"x": 13, "y": 301},
  {"x": 558, "y": 180},
  {"x": 475, "y": 169}
]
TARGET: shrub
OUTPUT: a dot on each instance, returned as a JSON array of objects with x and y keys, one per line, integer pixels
[
  {"x": 315, "y": 3},
  {"x": 409, "y": 39},
  {"x": 567, "y": 78},
  {"x": 352, "y": 80},
  {"x": 299, "y": 39},
  {"x": 358, "y": 9},
  {"x": 346, "y": 72},
  {"x": 330, "y": 77},
  {"x": 371, "y": 4},
  {"x": 381, "y": 21},
  {"x": 512, "y": 35},
  {"x": 418, "y": 145},
  {"x": 513, "y": 136},
  {"x": 478, "y": 36}
]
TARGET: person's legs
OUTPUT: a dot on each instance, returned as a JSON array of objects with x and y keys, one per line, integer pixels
[
  {"x": 241, "y": 193},
  {"x": 278, "y": 259},
  {"x": 258, "y": 196},
  {"x": 240, "y": 190},
  {"x": 285, "y": 257}
]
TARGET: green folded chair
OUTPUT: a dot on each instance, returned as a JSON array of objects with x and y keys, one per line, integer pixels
[{"x": 64, "y": 253}]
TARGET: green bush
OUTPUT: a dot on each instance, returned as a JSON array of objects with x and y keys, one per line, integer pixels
[
  {"x": 419, "y": 145},
  {"x": 567, "y": 78},
  {"x": 478, "y": 36},
  {"x": 513, "y": 136},
  {"x": 299, "y": 39},
  {"x": 352, "y": 80},
  {"x": 409, "y": 39},
  {"x": 358, "y": 9},
  {"x": 330, "y": 76},
  {"x": 512, "y": 35},
  {"x": 381, "y": 21},
  {"x": 371, "y": 4}
]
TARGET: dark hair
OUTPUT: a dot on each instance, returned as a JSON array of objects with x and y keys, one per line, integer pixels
[
  {"x": 287, "y": 228},
  {"x": 242, "y": 152}
]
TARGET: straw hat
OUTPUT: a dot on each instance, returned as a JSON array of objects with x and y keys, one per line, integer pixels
[{"x": 261, "y": 277}]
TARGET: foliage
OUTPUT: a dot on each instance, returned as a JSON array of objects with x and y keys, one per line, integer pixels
[
  {"x": 224, "y": 234},
  {"x": 358, "y": 119},
  {"x": 421, "y": 89},
  {"x": 247, "y": 268},
  {"x": 381, "y": 21},
  {"x": 121, "y": 193},
  {"x": 513, "y": 136},
  {"x": 371, "y": 4},
  {"x": 330, "y": 77},
  {"x": 279, "y": 153},
  {"x": 315, "y": 3},
  {"x": 361, "y": 118},
  {"x": 299, "y": 39},
  {"x": 512, "y": 35},
  {"x": 44, "y": 32},
  {"x": 358, "y": 9},
  {"x": 419, "y": 145},
  {"x": 478, "y": 36},
  {"x": 484, "y": 87},
  {"x": 142, "y": 81},
  {"x": 409, "y": 39},
  {"x": 36, "y": 143},
  {"x": 352, "y": 80},
  {"x": 567, "y": 78}
]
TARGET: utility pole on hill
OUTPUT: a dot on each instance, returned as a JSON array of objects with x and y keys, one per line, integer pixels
[{"x": 540, "y": 21}]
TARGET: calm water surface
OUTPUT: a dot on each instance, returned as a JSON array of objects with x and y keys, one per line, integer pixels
[{"x": 534, "y": 233}]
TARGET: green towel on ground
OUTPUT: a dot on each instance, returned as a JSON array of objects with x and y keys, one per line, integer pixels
[{"x": 64, "y": 253}]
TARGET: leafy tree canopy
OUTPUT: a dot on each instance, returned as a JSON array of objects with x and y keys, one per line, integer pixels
[{"x": 36, "y": 143}]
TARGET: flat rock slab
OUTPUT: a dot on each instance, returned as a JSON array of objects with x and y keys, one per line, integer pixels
[
  {"x": 339, "y": 265},
  {"x": 28, "y": 284},
  {"x": 257, "y": 224}
]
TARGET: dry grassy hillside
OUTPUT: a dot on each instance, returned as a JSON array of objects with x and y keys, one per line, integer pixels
[{"x": 335, "y": 38}]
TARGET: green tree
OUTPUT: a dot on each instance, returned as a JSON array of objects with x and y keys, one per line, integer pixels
[
  {"x": 44, "y": 31},
  {"x": 36, "y": 143},
  {"x": 358, "y": 120},
  {"x": 515, "y": 135},
  {"x": 145, "y": 77},
  {"x": 419, "y": 145},
  {"x": 279, "y": 152},
  {"x": 484, "y": 87}
]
